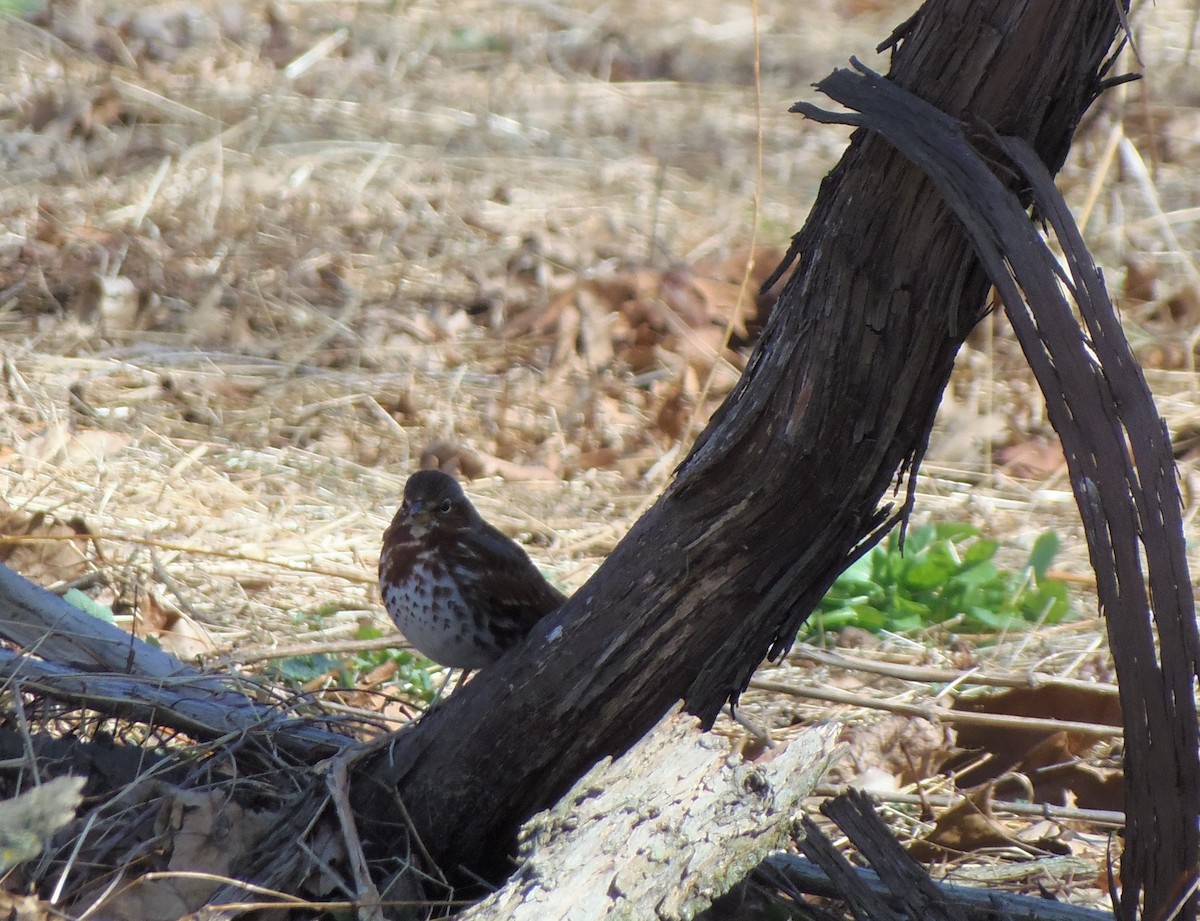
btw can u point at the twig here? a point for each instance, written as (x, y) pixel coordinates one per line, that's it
(366, 894)
(976, 903)
(199, 706)
(1104, 817)
(350, 574)
(930, 675)
(334, 647)
(321, 49)
(173, 587)
(937, 714)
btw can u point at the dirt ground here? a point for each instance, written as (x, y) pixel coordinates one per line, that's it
(257, 260)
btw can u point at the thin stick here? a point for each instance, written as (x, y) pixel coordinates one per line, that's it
(977, 903)
(937, 714)
(934, 675)
(1105, 817)
(367, 896)
(333, 647)
(347, 573)
(744, 293)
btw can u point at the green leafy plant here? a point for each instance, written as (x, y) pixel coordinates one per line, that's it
(415, 675)
(19, 8)
(946, 572)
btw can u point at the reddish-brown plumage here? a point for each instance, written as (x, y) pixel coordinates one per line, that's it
(459, 590)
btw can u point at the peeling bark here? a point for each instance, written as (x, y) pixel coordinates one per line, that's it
(788, 484)
(660, 832)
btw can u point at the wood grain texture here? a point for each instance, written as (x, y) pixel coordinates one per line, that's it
(661, 831)
(793, 478)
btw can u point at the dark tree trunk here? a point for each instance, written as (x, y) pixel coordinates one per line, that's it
(791, 479)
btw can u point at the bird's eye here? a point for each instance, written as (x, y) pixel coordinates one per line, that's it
(446, 505)
(404, 506)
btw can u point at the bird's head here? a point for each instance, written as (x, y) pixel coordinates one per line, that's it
(434, 501)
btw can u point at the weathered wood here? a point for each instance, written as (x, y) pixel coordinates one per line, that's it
(1119, 456)
(854, 813)
(788, 483)
(42, 624)
(984, 904)
(1124, 478)
(83, 660)
(660, 832)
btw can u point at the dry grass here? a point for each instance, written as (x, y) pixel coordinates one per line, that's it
(329, 214)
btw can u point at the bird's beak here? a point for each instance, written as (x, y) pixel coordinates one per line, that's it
(417, 512)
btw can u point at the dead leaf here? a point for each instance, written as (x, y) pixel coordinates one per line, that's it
(379, 674)
(280, 46)
(646, 317)
(472, 464)
(969, 826)
(907, 748)
(175, 630)
(199, 832)
(596, 459)
(328, 845)
(1034, 458)
(1141, 281)
(208, 832)
(42, 548)
(595, 331)
(1183, 307)
(674, 412)
(1053, 763)
(61, 444)
(76, 111)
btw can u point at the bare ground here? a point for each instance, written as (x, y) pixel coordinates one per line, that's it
(257, 259)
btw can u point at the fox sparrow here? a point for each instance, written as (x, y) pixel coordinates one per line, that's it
(458, 589)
